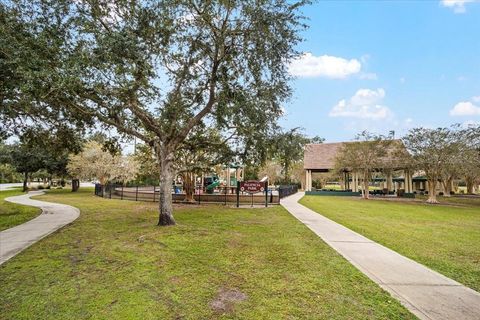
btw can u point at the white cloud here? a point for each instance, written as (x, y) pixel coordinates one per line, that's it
(458, 6)
(310, 66)
(364, 105)
(465, 108)
(402, 80)
(476, 99)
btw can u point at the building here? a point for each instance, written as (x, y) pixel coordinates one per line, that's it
(321, 158)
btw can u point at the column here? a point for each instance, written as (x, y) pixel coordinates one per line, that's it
(410, 178)
(228, 176)
(354, 182)
(306, 180)
(309, 180)
(408, 181)
(389, 181)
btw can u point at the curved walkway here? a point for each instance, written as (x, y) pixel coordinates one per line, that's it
(53, 217)
(426, 293)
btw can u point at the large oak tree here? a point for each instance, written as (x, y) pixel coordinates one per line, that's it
(154, 70)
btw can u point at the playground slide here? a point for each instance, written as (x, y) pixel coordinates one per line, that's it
(213, 185)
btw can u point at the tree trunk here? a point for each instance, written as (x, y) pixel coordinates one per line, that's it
(189, 186)
(366, 188)
(25, 181)
(447, 187)
(432, 191)
(469, 182)
(166, 178)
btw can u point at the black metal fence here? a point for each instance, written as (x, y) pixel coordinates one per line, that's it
(285, 191)
(220, 195)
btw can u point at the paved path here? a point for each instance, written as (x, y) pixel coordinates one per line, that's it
(8, 186)
(426, 293)
(53, 217)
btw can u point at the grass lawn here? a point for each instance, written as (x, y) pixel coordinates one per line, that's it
(217, 263)
(14, 214)
(461, 201)
(445, 238)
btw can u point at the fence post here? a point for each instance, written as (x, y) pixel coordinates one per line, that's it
(110, 189)
(136, 194)
(226, 189)
(238, 194)
(154, 187)
(121, 197)
(266, 193)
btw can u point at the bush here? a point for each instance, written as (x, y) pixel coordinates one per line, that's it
(48, 187)
(59, 187)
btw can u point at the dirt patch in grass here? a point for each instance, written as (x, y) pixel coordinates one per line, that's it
(226, 300)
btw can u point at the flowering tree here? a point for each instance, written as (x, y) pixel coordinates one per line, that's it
(95, 163)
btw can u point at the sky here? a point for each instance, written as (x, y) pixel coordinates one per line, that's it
(386, 65)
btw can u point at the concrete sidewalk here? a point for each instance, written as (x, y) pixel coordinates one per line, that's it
(426, 293)
(53, 217)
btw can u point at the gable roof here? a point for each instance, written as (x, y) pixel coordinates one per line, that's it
(321, 156)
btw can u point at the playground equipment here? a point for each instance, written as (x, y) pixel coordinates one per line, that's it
(211, 187)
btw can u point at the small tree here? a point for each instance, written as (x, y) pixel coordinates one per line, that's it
(288, 150)
(201, 151)
(127, 168)
(95, 162)
(365, 155)
(26, 160)
(431, 150)
(148, 171)
(469, 168)
(272, 170)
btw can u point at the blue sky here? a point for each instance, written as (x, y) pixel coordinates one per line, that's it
(381, 66)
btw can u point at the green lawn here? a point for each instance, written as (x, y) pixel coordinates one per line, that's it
(217, 263)
(461, 201)
(445, 238)
(14, 214)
